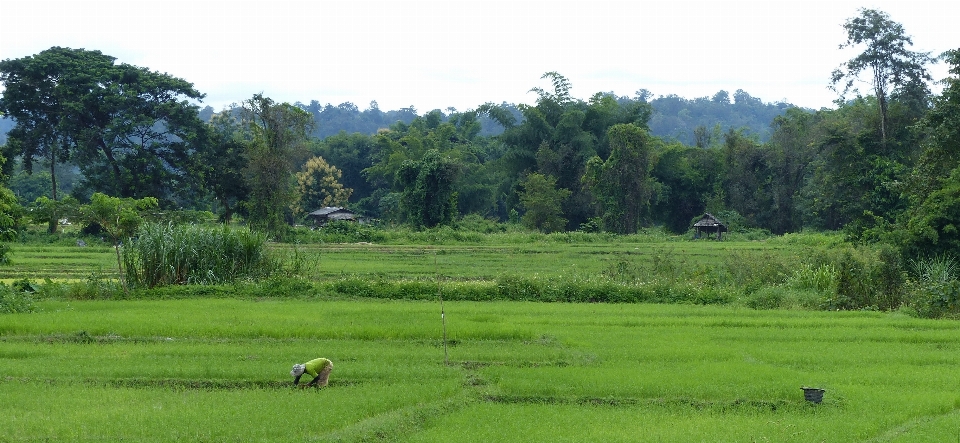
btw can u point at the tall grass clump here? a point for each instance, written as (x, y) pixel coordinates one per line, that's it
(936, 269)
(822, 278)
(935, 290)
(168, 254)
(866, 279)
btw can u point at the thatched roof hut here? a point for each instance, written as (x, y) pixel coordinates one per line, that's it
(709, 224)
(331, 213)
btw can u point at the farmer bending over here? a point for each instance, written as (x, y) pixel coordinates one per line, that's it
(319, 368)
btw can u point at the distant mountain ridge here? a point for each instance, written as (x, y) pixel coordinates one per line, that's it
(678, 118)
(674, 117)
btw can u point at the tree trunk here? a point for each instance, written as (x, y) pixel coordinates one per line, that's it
(123, 280)
(54, 222)
(108, 153)
(879, 88)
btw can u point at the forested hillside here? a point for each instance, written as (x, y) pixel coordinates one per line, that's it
(702, 121)
(698, 121)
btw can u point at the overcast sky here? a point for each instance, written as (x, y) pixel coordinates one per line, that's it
(440, 54)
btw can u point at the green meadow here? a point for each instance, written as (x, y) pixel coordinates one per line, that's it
(217, 370)
(195, 364)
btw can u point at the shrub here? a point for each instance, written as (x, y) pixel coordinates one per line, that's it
(851, 284)
(935, 289)
(51, 290)
(512, 287)
(4, 254)
(14, 300)
(477, 223)
(818, 239)
(399, 289)
(284, 287)
(341, 231)
(785, 297)
(519, 288)
(765, 298)
(866, 279)
(936, 299)
(751, 270)
(96, 287)
(937, 269)
(888, 278)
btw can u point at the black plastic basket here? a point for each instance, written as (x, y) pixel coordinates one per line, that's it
(812, 395)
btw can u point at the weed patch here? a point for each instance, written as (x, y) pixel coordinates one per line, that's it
(14, 300)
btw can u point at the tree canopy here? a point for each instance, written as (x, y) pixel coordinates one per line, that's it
(891, 68)
(132, 132)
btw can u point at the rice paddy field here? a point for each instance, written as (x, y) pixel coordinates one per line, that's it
(198, 369)
(217, 370)
(63, 262)
(485, 259)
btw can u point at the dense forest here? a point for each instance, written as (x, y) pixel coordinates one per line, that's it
(881, 166)
(674, 118)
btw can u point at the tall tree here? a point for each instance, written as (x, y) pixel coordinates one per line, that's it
(39, 92)
(622, 185)
(559, 135)
(791, 152)
(224, 162)
(279, 131)
(685, 177)
(318, 185)
(10, 211)
(428, 195)
(541, 200)
(941, 151)
(131, 131)
(139, 136)
(351, 154)
(929, 225)
(746, 177)
(845, 179)
(892, 68)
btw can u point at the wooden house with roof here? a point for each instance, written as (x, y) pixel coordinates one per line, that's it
(710, 225)
(331, 213)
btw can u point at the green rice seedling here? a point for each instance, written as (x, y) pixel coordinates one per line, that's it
(58, 262)
(217, 369)
(80, 412)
